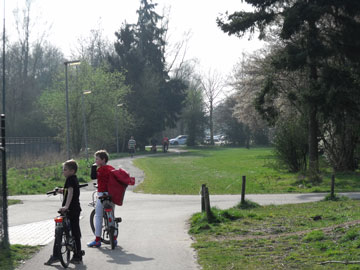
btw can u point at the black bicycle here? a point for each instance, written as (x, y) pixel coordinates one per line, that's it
(110, 227)
(64, 242)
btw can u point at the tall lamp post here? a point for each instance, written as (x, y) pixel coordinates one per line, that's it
(68, 63)
(117, 127)
(84, 120)
(5, 223)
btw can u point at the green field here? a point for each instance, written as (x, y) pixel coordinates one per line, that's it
(300, 236)
(221, 169)
(41, 179)
(38, 177)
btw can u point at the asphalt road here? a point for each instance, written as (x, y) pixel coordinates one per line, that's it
(152, 236)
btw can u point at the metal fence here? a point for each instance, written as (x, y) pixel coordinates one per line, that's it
(17, 147)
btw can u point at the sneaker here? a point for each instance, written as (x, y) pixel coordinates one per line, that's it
(76, 260)
(52, 260)
(94, 244)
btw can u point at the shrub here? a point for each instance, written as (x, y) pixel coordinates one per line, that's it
(290, 143)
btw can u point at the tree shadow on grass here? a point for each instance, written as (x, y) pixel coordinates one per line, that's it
(345, 181)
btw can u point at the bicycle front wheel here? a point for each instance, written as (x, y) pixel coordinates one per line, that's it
(61, 248)
(92, 221)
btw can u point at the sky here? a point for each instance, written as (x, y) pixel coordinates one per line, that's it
(67, 20)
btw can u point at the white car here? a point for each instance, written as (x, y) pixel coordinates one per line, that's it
(181, 139)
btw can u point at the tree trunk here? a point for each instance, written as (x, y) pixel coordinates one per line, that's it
(211, 123)
(313, 142)
(312, 101)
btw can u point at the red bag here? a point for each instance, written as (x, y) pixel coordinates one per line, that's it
(118, 182)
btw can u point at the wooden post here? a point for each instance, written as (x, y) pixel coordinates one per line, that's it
(243, 189)
(332, 194)
(207, 205)
(203, 186)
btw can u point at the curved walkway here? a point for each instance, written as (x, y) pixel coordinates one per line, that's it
(153, 234)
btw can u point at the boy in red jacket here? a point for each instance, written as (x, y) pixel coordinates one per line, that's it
(102, 175)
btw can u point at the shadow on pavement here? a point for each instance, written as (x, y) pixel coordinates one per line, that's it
(81, 266)
(120, 256)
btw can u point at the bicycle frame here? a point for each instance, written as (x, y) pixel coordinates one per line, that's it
(64, 223)
(110, 223)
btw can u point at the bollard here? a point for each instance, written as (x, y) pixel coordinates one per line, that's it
(243, 189)
(332, 194)
(207, 205)
(203, 186)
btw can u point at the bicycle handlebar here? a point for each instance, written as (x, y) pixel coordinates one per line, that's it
(56, 190)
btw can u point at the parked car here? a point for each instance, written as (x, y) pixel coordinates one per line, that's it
(181, 139)
(216, 139)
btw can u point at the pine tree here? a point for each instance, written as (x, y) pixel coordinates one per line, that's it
(314, 33)
(154, 100)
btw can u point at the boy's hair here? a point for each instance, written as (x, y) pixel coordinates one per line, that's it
(71, 165)
(102, 154)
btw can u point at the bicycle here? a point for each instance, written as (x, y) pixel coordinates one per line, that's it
(110, 227)
(64, 243)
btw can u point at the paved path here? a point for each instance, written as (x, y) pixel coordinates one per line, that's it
(153, 234)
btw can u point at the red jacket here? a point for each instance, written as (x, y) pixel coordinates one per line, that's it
(103, 176)
(118, 182)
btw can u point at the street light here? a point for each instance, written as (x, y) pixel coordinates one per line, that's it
(117, 127)
(68, 63)
(84, 120)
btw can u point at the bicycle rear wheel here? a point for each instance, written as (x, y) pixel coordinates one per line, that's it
(111, 237)
(105, 231)
(61, 248)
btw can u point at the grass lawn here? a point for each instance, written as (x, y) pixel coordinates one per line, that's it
(10, 259)
(39, 177)
(280, 237)
(221, 169)
(42, 178)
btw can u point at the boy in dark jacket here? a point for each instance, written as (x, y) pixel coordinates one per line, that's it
(71, 203)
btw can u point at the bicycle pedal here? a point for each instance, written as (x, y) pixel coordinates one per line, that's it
(118, 219)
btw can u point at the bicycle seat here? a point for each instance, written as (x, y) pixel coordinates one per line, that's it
(105, 197)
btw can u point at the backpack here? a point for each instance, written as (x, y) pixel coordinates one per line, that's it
(118, 182)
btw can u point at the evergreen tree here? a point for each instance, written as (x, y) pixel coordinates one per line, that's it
(236, 132)
(154, 100)
(314, 33)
